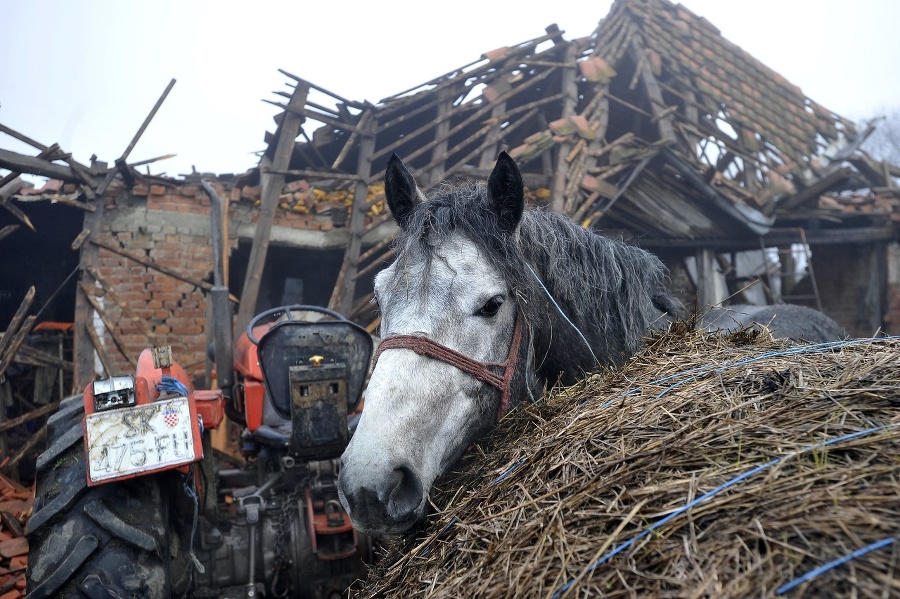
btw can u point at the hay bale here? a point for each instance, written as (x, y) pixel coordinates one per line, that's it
(709, 466)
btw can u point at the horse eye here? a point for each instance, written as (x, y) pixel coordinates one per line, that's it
(492, 306)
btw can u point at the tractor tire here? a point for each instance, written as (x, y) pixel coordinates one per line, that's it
(107, 541)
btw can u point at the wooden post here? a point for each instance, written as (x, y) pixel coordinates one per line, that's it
(345, 287)
(570, 99)
(707, 294)
(272, 184)
(654, 93)
(440, 132)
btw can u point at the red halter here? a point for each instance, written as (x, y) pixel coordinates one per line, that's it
(480, 370)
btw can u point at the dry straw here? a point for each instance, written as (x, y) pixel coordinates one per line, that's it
(709, 466)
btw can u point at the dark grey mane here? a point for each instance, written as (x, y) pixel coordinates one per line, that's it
(612, 292)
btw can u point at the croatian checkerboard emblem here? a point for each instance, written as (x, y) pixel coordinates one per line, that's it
(170, 415)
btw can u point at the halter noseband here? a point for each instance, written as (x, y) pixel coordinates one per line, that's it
(480, 370)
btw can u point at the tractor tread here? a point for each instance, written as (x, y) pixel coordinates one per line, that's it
(108, 541)
(97, 511)
(74, 560)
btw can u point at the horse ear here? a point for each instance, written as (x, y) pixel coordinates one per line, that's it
(400, 190)
(506, 192)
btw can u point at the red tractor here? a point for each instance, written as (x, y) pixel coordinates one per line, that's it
(130, 502)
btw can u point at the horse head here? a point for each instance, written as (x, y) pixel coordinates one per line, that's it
(451, 353)
(485, 303)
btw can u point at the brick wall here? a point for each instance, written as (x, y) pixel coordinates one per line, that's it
(892, 311)
(171, 228)
(170, 225)
(848, 278)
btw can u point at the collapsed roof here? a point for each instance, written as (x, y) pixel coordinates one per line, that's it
(654, 122)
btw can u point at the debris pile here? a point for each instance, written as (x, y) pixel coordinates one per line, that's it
(709, 466)
(15, 506)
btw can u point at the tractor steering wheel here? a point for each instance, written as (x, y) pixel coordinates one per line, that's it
(274, 314)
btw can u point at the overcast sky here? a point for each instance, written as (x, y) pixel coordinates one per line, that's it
(85, 74)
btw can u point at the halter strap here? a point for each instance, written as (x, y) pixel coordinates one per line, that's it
(479, 370)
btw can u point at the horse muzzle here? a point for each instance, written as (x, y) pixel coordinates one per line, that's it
(387, 503)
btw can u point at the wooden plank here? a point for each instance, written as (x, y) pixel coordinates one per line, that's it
(385, 256)
(16, 342)
(305, 113)
(16, 322)
(97, 345)
(149, 263)
(311, 173)
(570, 100)
(36, 144)
(816, 189)
(110, 329)
(21, 163)
(37, 413)
(351, 141)
(529, 109)
(30, 444)
(8, 230)
(272, 183)
(43, 154)
(6, 192)
(345, 287)
(481, 113)
(439, 152)
(41, 358)
(657, 104)
(308, 86)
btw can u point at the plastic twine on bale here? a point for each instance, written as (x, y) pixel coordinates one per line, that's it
(833, 564)
(621, 547)
(698, 372)
(803, 349)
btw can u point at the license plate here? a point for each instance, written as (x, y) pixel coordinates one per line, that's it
(130, 441)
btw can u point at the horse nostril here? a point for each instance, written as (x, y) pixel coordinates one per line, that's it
(406, 493)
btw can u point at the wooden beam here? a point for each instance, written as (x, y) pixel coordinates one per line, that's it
(21, 163)
(351, 141)
(312, 174)
(439, 152)
(88, 293)
(149, 263)
(16, 322)
(272, 183)
(8, 230)
(16, 342)
(98, 347)
(345, 287)
(570, 100)
(657, 104)
(41, 411)
(32, 442)
(6, 192)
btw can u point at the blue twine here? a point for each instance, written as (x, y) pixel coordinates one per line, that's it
(427, 549)
(803, 349)
(711, 493)
(170, 384)
(507, 472)
(833, 564)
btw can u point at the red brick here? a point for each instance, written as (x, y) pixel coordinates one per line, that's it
(157, 190)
